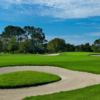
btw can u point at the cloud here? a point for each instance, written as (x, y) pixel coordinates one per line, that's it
(55, 8)
(94, 34)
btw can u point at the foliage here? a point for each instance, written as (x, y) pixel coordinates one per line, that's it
(11, 31)
(96, 46)
(26, 78)
(70, 47)
(38, 43)
(12, 45)
(1, 45)
(25, 45)
(56, 45)
(83, 47)
(5, 46)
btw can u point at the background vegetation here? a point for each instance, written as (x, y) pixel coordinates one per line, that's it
(32, 40)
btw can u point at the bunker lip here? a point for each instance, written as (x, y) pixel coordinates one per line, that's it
(71, 80)
(94, 55)
(56, 54)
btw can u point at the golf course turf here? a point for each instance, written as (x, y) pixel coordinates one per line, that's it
(26, 79)
(80, 61)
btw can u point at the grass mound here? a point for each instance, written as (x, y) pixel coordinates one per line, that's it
(26, 79)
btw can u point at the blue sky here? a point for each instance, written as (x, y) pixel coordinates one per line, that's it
(76, 21)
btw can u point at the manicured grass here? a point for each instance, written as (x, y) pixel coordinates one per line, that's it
(26, 78)
(80, 61)
(88, 93)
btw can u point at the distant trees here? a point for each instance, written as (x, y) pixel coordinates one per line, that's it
(70, 47)
(12, 45)
(1, 45)
(29, 39)
(96, 46)
(25, 45)
(11, 31)
(56, 45)
(32, 40)
(83, 47)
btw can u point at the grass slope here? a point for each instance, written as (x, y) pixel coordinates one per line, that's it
(26, 78)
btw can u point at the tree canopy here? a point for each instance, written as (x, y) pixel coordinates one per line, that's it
(56, 45)
(12, 45)
(32, 40)
(96, 45)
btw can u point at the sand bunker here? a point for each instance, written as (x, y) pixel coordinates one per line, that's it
(94, 55)
(50, 54)
(70, 80)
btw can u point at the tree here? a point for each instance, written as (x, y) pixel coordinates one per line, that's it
(83, 47)
(87, 47)
(70, 47)
(25, 45)
(77, 48)
(11, 31)
(96, 46)
(1, 45)
(5, 46)
(12, 45)
(56, 45)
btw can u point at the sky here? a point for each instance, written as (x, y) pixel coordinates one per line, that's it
(75, 21)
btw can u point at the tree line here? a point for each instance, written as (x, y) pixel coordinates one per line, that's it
(32, 40)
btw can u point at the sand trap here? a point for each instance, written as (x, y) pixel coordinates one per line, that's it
(94, 55)
(70, 80)
(50, 54)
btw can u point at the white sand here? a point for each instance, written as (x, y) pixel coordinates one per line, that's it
(94, 55)
(70, 80)
(51, 54)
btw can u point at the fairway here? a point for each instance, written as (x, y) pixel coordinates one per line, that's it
(79, 61)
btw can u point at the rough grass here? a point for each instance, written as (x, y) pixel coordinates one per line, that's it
(26, 79)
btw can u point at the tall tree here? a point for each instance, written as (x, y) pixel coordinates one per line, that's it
(1, 45)
(38, 36)
(27, 31)
(5, 46)
(70, 47)
(25, 45)
(96, 46)
(12, 45)
(56, 45)
(11, 31)
(87, 47)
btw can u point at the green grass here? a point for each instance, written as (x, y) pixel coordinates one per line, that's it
(80, 61)
(88, 93)
(26, 78)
